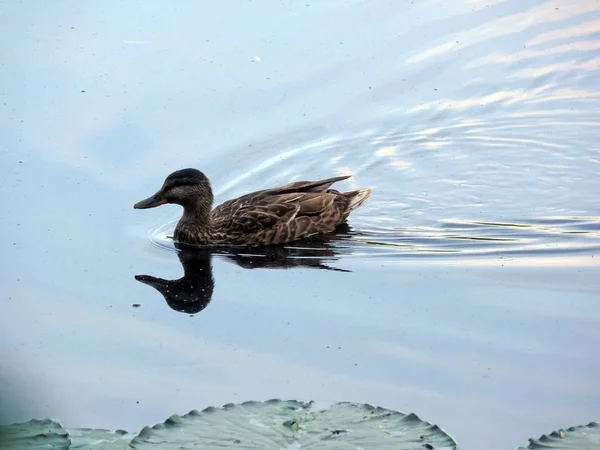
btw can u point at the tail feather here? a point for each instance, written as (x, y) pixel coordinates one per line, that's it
(356, 198)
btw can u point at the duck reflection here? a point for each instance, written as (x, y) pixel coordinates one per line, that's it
(191, 293)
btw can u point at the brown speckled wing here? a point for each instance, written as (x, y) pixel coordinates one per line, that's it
(283, 214)
(318, 214)
(312, 204)
(254, 218)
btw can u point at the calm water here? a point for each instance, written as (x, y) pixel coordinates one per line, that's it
(466, 290)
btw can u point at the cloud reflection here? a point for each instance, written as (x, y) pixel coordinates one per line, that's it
(509, 58)
(574, 31)
(568, 66)
(546, 13)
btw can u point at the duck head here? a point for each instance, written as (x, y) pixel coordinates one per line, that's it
(189, 188)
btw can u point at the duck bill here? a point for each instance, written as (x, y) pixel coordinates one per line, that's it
(151, 202)
(149, 280)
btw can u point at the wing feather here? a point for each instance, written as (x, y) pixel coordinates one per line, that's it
(253, 218)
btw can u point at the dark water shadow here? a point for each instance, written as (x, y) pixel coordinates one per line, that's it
(192, 293)
(317, 252)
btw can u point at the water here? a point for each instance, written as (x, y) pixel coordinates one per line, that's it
(465, 290)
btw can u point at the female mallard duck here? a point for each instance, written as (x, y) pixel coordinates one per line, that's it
(271, 216)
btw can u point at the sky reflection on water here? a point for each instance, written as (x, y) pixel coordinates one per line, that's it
(467, 285)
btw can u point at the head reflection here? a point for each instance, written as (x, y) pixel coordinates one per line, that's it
(191, 293)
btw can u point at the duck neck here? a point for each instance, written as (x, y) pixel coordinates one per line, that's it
(194, 227)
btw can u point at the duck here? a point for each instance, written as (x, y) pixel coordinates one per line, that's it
(273, 216)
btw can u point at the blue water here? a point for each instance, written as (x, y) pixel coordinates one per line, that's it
(465, 290)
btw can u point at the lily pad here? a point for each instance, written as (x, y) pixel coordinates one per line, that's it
(47, 434)
(582, 437)
(294, 425)
(35, 434)
(98, 439)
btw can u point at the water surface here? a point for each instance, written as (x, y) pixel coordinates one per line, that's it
(465, 290)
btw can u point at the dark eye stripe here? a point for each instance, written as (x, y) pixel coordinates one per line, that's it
(181, 182)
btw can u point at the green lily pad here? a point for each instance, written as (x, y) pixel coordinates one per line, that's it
(46, 434)
(35, 434)
(294, 425)
(98, 439)
(582, 437)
